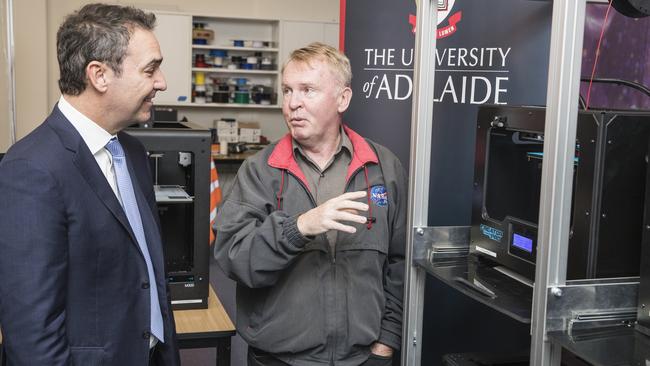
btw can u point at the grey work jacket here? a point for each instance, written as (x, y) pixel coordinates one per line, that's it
(295, 298)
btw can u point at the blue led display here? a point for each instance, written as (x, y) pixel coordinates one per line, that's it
(522, 242)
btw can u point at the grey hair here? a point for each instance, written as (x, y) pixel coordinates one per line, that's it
(96, 32)
(319, 51)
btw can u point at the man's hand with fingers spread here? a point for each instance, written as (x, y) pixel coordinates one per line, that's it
(333, 213)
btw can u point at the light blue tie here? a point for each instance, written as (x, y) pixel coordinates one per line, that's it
(130, 205)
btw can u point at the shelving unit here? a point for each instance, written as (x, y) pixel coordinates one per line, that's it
(174, 32)
(239, 64)
(235, 40)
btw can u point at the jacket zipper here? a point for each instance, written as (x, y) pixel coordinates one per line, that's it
(334, 332)
(332, 252)
(345, 189)
(335, 335)
(313, 202)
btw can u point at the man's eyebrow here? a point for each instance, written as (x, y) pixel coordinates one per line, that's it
(307, 84)
(301, 85)
(154, 62)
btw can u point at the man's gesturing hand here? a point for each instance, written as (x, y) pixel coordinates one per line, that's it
(332, 213)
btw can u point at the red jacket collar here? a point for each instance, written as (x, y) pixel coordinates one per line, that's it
(282, 155)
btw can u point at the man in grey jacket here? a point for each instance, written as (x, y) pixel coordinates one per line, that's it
(313, 231)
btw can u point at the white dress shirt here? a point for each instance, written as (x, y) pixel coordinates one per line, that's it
(95, 138)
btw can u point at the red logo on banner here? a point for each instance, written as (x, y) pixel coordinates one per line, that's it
(413, 22)
(445, 31)
(444, 12)
(450, 29)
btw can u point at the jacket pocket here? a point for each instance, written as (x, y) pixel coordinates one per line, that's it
(87, 356)
(364, 295)
(377, 237)
(292, 318)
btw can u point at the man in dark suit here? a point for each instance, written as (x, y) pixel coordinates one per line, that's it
(81, 260)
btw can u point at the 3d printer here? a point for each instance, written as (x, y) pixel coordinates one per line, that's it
(608, 190)
(180, 165)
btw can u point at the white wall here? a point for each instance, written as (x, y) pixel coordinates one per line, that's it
(31, 62)
(30, 52)
(36, 23)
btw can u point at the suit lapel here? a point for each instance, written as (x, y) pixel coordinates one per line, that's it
(88, 168)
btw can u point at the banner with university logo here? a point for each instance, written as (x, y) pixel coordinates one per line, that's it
(493, 52)
(488, 52)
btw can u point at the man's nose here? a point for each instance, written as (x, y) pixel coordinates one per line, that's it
(295, 101)
(161, 82)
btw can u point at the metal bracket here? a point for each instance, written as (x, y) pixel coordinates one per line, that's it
(440, 242)
(589, 304)
(600, 319)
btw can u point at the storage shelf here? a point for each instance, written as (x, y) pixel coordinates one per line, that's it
(175, 34)
(171, 194)
(236, 71)
(484, 283)
(221, 105)
(233, 48)
(614, 346)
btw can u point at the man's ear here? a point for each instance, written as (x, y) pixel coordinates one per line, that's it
(344, 99)
(97, 76)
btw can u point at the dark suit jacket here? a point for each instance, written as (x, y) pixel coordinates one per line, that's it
(73, 281)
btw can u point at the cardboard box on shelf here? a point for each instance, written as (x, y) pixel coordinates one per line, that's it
(227, 123)
(253, 139)
(228, 131)
(250, 129)
(249, 125)
(250, 132)
(228, 138)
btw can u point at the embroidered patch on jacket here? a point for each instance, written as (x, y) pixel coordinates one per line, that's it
(379, 196)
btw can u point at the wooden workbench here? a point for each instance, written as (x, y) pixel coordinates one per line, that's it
(205, 328)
